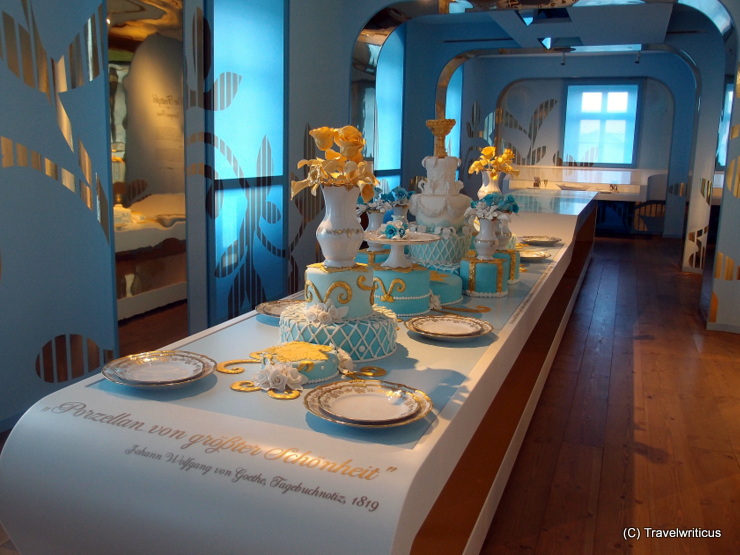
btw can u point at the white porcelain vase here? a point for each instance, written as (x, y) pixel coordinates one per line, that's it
(486, 240)
(340, 233)
(374, 221)
(503, 233)
(490, 184)
(402, 212)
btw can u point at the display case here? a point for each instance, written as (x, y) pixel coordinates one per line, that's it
(150, 254)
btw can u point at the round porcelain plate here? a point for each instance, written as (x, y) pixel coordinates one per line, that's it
(541, 240)
(368, 403)
(530, 256)
(275, 308)
(365, 402)
(448, 326)
(412, 237)
(156, 368)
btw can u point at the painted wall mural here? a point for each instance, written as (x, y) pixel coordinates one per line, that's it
(55, 230)
(528, 137)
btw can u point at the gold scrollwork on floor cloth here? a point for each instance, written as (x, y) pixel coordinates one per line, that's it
(235, 366)
(246, 386)
(343, 298)
(284, 395)
(367, 372)
(396, 285)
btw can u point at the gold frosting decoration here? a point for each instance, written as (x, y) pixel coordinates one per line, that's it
(234, 366)
(367, 371)
(405, 270)
(370, 288)
(343, 298)
(397, 284)
(284, 395)
(371, 255)
(499, 276)
(359, 267)
(512, 265)
(246, 386)
(296, 351)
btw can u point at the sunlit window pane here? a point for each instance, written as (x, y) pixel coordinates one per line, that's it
(617, 102)
(591, 102)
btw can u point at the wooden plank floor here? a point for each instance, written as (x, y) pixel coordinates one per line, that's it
(638, 424)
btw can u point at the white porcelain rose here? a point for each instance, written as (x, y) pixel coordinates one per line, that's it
(279, 376)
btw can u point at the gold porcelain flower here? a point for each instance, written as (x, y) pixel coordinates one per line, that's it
(350, 143)
(323, 136)
(346, 168)
(489, 162)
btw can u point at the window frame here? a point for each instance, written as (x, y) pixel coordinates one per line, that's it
(604, 84)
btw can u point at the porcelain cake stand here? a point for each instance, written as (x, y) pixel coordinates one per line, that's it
(397, 258)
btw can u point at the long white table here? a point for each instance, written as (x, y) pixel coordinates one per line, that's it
(102, 468)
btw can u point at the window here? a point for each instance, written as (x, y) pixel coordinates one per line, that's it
(600, 124)
(724, 127)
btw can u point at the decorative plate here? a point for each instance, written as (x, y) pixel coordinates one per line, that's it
(448, 326)
(533, 256)
(368, 403)
(275, 308)
(541, 240)
(158, 368)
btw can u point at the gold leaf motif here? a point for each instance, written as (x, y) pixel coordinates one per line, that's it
(284, 395)
(356, 268)
(370, 288)
(396, 285)
(246, 386)
(343, 298)
(234, 366)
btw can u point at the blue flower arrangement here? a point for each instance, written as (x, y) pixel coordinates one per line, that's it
(376, 204)
(395, 229)
(492, 206)
(397, 196)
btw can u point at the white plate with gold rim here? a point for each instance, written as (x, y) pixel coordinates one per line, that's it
(368, 403)
(539, 240)
(448, 326)
(159, 368)
(533, 256)
(275, 308)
